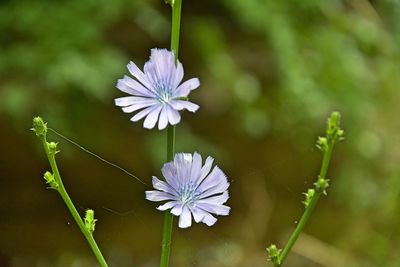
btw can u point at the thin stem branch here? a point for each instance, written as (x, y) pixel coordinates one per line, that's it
(333, 134)
(309, 209)
(168, 217)
(68, 202)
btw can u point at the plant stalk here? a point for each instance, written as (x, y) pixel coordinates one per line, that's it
(310, 207)
(68, 202)
(168, 217)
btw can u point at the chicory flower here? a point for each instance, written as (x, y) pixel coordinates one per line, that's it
(190, 189)
(157, 92)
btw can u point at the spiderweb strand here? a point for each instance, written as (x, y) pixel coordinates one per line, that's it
(97, 156)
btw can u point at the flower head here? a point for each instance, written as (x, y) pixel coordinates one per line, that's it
(191, 189)
(157, 92)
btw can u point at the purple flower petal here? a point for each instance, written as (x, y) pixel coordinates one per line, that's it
(163, 186)
(182, 162)
(163, 120)
(198, 214)
(178, 75)
(185, 219)
(218, 199)
(215, 182)
(205, 170)
(152, 118)
(177, 209)
(167, 205)
(137, 106)
(138, 74)
(141, 114)
(169, 172)
(196, 167)
(132, 87)
(203, 216)
(181, 104)
(130, 100)
(158, 196)
(214, 208)
(173, 116)
(184, 89)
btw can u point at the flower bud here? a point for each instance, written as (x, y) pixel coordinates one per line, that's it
(321, 185)
(90, 221)
(309, 195)
(322, 143)
(39, 126)
(52, 148)
(49, 178)
(334, 132)
(273, 254)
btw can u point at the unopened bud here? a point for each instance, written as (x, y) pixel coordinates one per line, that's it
(52, 148)
(309, 195)
(49, 178)
(39, 126)
(321, 185)
(334, 132)
(274, 254)
(322, 143)
(90, 221)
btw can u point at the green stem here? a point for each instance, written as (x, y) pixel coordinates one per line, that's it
(176, 26)
(310, 207)
(64, 195)
(168, 217)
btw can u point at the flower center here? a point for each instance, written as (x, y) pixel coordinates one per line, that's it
(163, 92)
(188, 193)
(164, 97)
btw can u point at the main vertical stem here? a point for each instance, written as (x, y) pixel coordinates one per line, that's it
(168, 217)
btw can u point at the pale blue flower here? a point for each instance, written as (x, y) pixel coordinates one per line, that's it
(191, 189)
(157, 92)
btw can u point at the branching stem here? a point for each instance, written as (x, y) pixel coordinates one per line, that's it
(50, 153)
(309, 209)
(333, 134)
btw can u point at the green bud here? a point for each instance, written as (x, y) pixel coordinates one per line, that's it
(90, 221)
(309, 195)
(39, 126)
(321, 185)
(322, 143)
(274, 254)
(52, 148)
(334, 132)
(49, 178)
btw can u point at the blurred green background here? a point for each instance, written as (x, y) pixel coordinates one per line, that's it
(271, 72)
